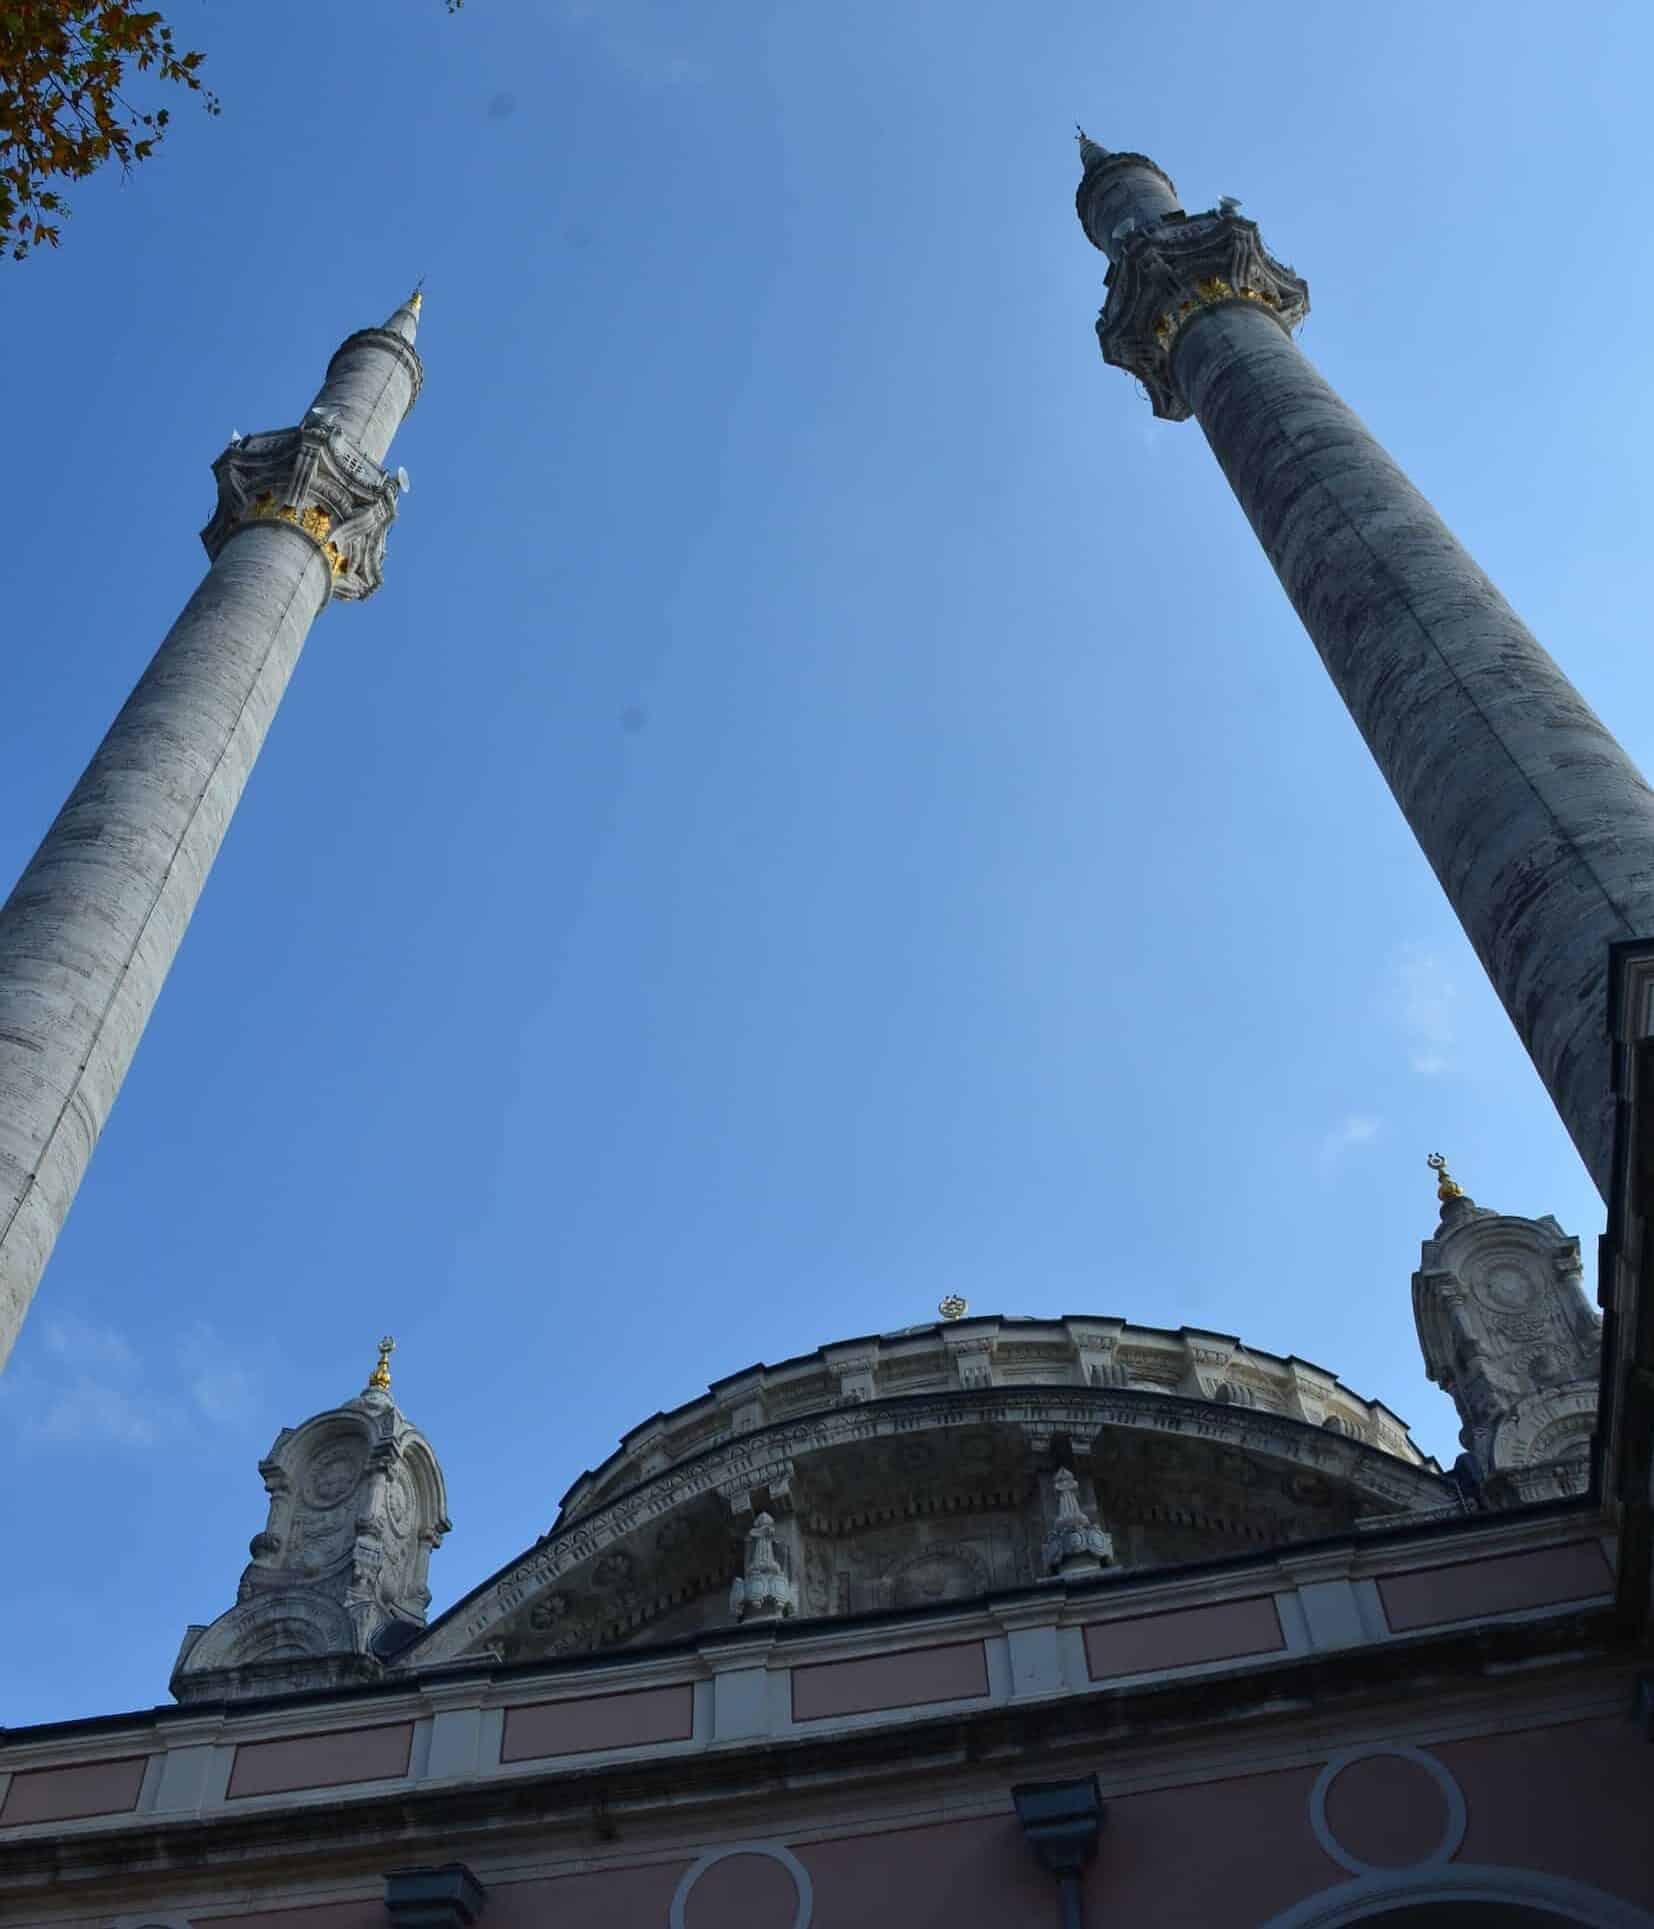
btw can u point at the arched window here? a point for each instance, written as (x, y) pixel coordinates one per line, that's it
(1462, 1895)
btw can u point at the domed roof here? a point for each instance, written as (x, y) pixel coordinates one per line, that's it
(937, 1463)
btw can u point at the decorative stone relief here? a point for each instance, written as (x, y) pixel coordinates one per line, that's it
(357, 1505)
(315, 479)
(1089, 1351)
(1506, 1330)
(973, 1360)
(1167, 273)
(1076, 1545)
(763, 1592)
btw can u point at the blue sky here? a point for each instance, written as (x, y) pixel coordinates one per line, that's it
(830, 807)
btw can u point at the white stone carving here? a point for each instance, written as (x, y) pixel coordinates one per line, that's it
(1075, 1546)
(771, 1851)
(763, 1593)
(340, 498)
(1452, 1797)
(1084, 1350)
(1506, 1329)
(1168, 273)
(912, 1442)
(357, 1504)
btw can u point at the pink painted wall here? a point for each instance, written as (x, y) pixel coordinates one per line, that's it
(1577, 1800)
(952, 1672)
(612, 1899)
(64, 1794)
(321, 1761)
(1500, 1585)
(1180, 1639)
(949, 1875)
(541, 1728)
(1224, 1856)
(367, 1913)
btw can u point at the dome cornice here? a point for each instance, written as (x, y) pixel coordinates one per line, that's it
(993, 1351)
(603, 1576)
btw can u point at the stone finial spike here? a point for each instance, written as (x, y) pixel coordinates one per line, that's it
(1090, 152)
(405, 320)
(379, 1380)
(1447, 1187)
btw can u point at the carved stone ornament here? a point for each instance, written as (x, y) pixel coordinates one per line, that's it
(1075, 1545)
(911, 1499)
(763, 1592)
(357, 1503)
(1169, 273)
(1505, 1328)
(313, 478)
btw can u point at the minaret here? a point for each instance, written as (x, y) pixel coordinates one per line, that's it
(90, 930)
(1538, 826)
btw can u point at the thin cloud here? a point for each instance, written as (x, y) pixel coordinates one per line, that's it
(218, 1382)
(96, 1350)
(88, 1386)
(1355, 1129)
(91, 1412)
(631, 39)
(1424, 998)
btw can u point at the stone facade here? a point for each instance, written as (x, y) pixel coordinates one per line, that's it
(886, 1633)
(1433, 1717)
(915, 1469)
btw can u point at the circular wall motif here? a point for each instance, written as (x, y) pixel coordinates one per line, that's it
(333, 1473)
(1505, 1287)
(938, 1574)
(613, 1569)
(399, 1500)
(1452, 1796)
(774, 1851)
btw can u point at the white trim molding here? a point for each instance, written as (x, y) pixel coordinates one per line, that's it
(1452, 1795)
(773, 1852)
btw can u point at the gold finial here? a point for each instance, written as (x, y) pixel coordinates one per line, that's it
(379, 1380)
(416, 300)
(953, 1307)
(1447, 1187)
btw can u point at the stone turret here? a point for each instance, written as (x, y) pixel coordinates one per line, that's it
(337, 1582)
(1507, 1331)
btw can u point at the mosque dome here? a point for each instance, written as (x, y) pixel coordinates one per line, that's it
(940, 1463)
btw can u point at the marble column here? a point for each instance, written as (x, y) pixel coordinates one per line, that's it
(1538, 826)
(92, 926)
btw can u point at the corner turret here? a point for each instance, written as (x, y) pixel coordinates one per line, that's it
(337, 1582)
(1506, 1330)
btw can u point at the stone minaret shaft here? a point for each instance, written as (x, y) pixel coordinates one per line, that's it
(1538, 826)
(87, 936)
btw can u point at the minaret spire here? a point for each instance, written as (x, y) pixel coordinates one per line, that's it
(1091, 155)
(91, 929)
(1536, 823)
